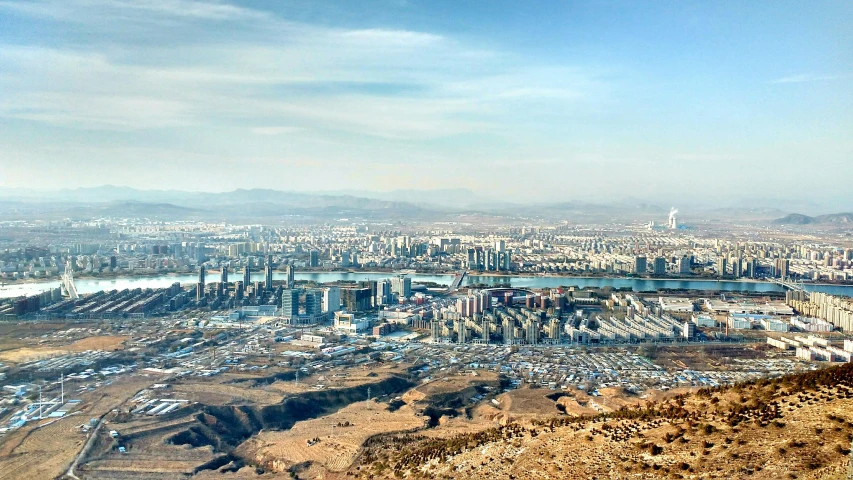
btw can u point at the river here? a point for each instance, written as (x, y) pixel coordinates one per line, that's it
(91, 285)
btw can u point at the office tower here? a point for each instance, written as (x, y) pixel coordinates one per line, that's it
(290, 303)
(383, 292)
(402, 286)
(640, 265)
(373, 286)
(345, 259)
(314, 302)
(314, 258)
(660, 266)
(684, 265)
(721, 266)
(500, 246)
(356, 299)
(268, 283)
(238, 290)
(113, 262)
(291, 277)
(199, 288)
(509, 330)
(223, 281)
(331, 299)
(507, 260)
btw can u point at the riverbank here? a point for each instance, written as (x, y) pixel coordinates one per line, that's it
(90, 285)
(510, 275)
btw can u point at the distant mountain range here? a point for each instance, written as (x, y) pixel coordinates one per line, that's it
(799, 219)
(112, 201)
(439, 204)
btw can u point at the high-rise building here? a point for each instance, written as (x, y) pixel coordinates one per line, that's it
(356, 299)
(461, 331)
(290, 303)
(684, 265)
(500, 246)
(222, 289)
(383, 292)
(247, 276)
(508, 329)
(332, 299)
(435, 329)
(752, 267)
(721, 266)
(199, 288)
(401, 285)
(486, 327)
(291, 277)
(660, 266)
(268, 283)
(640, 267)
(531, 332)
(314, 258)
(554, 329)
(737, 267)
(783, 268)
(314, 302)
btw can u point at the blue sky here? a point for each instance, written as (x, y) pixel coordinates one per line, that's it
(682, 101)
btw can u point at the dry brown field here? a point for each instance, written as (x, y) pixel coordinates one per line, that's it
(29, 353)
(46, 452)
(808, 437)
(338, 444)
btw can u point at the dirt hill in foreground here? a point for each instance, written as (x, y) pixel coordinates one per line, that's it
(799, 426)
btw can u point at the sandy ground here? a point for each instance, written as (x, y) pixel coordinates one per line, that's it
(32, 353)
(338, 445)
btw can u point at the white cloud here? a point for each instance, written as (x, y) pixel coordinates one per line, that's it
(810, 77)
(279, 130)
(385, 83)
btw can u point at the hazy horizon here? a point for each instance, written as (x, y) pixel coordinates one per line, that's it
(711, 103)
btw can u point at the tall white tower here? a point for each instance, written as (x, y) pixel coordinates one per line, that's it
(673, 222)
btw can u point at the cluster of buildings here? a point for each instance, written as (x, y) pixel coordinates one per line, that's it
(130, 246)
(834, 309)
(812, 348)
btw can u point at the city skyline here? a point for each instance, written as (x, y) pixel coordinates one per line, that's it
(569, 101)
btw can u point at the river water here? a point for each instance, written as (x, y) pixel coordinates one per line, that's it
(91, 285)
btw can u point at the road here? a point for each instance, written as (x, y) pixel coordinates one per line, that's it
(89, 442)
